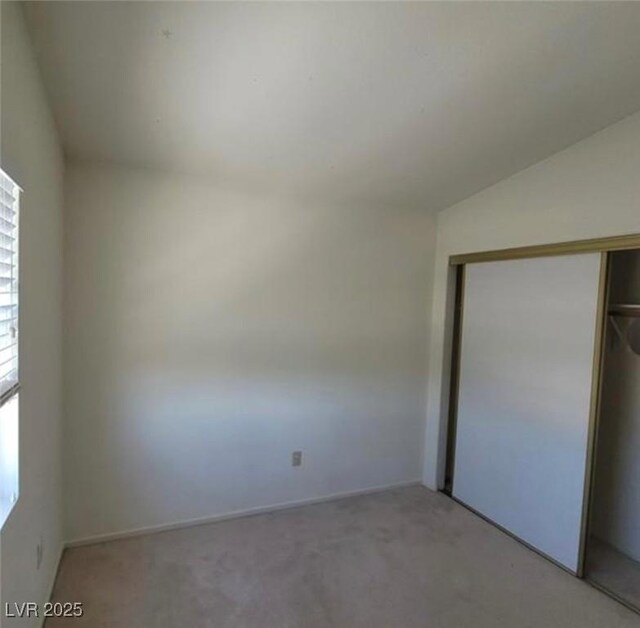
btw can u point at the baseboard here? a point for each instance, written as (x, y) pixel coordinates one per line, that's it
(113, 536)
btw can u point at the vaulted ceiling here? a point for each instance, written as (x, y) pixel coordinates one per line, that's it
(418, 104)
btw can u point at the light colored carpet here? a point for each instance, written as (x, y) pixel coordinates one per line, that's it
(614, 571)
(400, 559)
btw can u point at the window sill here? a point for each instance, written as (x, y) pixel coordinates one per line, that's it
(6, 507)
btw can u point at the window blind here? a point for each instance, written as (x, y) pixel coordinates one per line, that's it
(9, 214)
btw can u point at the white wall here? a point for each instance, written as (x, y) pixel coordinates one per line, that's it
(210, 334)
(31, 155)
(591, 189)
(616, 503)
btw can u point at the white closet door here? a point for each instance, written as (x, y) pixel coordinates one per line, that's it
(527, 347)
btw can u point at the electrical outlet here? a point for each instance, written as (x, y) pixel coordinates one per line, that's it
(39, 552)
(296, 459)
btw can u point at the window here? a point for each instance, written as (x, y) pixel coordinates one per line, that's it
(9, 206)
(9, 198)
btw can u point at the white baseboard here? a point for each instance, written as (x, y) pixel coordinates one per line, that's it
(112, 536)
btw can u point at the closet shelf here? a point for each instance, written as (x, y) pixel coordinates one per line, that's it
(625, 309)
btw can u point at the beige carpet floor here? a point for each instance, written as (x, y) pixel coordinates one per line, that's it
(400, 559)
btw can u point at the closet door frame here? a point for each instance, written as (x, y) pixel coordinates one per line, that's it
(601, 245)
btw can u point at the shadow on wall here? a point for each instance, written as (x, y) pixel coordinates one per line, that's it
(211, 335)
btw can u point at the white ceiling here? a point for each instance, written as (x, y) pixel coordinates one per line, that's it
(418, 104)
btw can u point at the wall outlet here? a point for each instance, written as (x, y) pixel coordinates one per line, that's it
(39, 552)
(296, 459)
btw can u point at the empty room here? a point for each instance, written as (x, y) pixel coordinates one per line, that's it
(319, 314)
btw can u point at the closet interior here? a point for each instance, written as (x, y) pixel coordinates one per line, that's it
(613, 545)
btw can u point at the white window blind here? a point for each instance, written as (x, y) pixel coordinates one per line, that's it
(9, 206)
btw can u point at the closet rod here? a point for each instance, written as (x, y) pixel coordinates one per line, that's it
(625, 310)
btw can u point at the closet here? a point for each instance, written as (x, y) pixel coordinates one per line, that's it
(613, 548)
(544, 409)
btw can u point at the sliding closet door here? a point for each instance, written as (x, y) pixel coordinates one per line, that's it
(526, 361)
